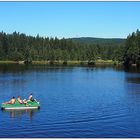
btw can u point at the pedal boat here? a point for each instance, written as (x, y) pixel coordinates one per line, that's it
(18, 106)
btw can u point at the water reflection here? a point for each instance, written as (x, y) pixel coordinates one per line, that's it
(127, 70)
(20, 113)
(135, 80)
(16, 68)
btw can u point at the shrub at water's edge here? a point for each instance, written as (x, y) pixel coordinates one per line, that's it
(131, 56)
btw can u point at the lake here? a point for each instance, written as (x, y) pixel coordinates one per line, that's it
(76, 102)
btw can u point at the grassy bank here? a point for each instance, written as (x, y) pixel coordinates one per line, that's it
(74, 62)
(108, 62)
(60, 62)
(8, 62)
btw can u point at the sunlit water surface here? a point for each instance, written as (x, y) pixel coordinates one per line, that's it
(75, 102)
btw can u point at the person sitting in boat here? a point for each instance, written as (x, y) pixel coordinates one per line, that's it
(31, 98)
(12, 101)
(21, 101)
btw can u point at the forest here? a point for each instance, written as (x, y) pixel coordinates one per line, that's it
(21, 47)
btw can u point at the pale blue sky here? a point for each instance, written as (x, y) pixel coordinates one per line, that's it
(71, 19)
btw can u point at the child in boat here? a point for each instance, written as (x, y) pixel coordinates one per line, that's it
(31, 97)
(12, 101)
(21, 101)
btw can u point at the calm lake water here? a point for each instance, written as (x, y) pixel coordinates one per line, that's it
(75, 102)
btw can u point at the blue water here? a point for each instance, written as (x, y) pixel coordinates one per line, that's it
(87, 102)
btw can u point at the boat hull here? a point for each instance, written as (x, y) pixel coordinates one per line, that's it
(19, 108)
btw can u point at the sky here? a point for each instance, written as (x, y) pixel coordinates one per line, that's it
(71, 19)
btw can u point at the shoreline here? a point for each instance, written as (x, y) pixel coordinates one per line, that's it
(69, 62)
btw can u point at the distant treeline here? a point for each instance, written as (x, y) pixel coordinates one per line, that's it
(102, 41)
(18, 46)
